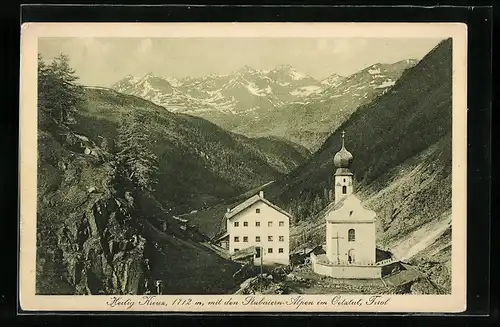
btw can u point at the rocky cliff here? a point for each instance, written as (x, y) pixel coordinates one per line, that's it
(87, 241)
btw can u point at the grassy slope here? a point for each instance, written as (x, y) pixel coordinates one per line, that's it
(414, 115)
(200, 163)
(401, 144)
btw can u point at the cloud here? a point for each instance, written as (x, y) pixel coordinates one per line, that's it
(345, 47)
(92, 47)
(144, 47)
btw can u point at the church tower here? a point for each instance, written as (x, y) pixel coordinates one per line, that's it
(343, 178)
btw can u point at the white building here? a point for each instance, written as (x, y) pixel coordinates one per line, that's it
(350, 230)
(258, 223)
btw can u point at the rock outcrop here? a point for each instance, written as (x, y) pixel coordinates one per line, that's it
(87, 241)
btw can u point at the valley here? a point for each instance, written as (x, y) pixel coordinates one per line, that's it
(135, 157)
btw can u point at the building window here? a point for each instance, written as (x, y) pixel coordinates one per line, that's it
(280, 250)
(344, 180)
(269, 224)
(236, 250)
(257, 224)
(269, 238)
(257, 238)
(282, 239)
(270, 250)
(245, 224)
(344, 189)
(245, 238)
(282, 223)
(257, 210)
(236, 239)
(236, 224)
(351, 235)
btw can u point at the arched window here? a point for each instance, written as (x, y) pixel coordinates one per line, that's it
(344, 189)
(351, 235)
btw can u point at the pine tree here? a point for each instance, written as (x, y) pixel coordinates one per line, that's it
(136, 162)
(58, 92)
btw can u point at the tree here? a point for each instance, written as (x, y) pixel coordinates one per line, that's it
(58, 92)
(136, 162)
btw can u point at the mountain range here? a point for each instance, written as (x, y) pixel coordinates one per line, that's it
(93, 238)
(280, 102)
(246, 91)
(401, 143)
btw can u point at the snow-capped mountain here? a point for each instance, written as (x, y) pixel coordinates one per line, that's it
(310, 119)
(332, 80)
(245, 91)
(279, 102)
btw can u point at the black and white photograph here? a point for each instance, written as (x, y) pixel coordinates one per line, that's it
(256, 166)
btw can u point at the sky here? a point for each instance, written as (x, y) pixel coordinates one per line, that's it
(104, 61)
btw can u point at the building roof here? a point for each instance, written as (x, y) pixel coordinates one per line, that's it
(220, 238)
(250, 201)
(244, 253)
(349, 209)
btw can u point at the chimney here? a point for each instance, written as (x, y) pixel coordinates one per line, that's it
(228, 209)
(261, 194)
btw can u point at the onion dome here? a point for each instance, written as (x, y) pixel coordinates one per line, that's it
(343, 158)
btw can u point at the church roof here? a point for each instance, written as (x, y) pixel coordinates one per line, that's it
(343, 158)
(349, 209)
(250, 201)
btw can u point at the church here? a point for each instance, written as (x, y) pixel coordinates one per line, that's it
(350, 230)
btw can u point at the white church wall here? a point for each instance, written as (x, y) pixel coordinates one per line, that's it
(279, 234)
(348, 272)
(340, 182)
(363, 246)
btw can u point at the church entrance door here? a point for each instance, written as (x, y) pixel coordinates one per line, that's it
(351, 256)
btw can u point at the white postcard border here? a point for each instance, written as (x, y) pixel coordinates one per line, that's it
(456, 302)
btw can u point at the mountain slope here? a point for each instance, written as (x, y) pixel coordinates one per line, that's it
(199, 162)
(401, 143)
(310, 120)
(93, 237)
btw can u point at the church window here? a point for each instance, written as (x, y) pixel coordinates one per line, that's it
(269, 238)
(257, 224)
(351, 235)
(344, 189)
(257, 238)
(282, 223)
(257, 210)
(269, 224)
(282, 239)
(236, 239)
(280, 250)
(344, 180)
(236, 250)
(245, 238)
(270, 250)
(236, 224)
(245, 224)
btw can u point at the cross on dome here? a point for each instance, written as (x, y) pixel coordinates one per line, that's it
(343, 158)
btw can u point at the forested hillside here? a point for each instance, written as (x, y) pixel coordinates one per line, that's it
(199, 163)
(111, 171)
(401, 143)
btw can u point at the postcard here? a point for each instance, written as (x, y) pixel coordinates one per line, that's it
(243, 167)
